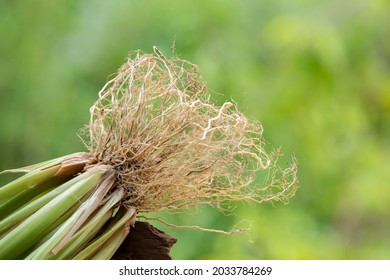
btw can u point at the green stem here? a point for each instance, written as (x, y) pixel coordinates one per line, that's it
(30, 208)
(68, 165)
(56, 242)
(27, 181)
(50, 231)
(18, 201)
(87, 232)
(111, 246)
(25, 235)
(96, 245)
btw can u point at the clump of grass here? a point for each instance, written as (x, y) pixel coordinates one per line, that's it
(156, 142)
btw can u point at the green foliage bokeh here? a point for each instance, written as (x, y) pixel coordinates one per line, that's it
(315, 73)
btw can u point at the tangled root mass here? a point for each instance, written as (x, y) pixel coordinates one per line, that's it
(172, 147)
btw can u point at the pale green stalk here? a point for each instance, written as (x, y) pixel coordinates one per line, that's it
(65, 232)
(90, 205)
(87, 232)
(30, 208)
(97, 244)
(37, 174)
(25, 235)
(18, 201)
(51, 230)
(27, 181)
(81, 239)
(111, 246)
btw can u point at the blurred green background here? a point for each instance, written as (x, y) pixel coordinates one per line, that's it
(315, 73)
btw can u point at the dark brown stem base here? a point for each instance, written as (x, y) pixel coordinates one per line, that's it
(145, 242)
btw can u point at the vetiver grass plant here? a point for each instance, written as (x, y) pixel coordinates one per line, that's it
(155, 142)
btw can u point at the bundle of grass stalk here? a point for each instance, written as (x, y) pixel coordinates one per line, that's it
(156, 142)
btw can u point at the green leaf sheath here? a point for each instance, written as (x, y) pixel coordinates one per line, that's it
(61, 236)
(108, 250)
(80, 240)
(28, 181)
(23, 198)
(66, 166)
(34, 205)
(123, 218)
(30, 231)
